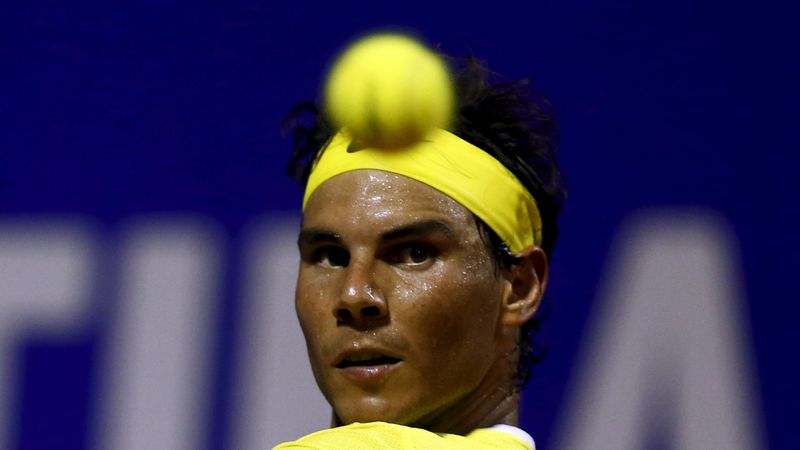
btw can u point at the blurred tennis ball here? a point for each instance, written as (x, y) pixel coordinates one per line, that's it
(389, 90)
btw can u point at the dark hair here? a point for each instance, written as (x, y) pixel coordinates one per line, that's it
(505, 118)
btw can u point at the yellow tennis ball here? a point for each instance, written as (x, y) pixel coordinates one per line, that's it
(389, 90)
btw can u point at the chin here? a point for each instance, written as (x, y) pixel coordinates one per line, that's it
(370, 409)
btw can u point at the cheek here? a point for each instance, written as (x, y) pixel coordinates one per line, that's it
(312, 304)
(453, 313)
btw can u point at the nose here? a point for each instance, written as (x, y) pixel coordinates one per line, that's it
(361, 303)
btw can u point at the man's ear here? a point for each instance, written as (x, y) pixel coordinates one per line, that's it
(527, 282)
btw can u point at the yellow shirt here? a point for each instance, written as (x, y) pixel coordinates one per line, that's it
(381, 435)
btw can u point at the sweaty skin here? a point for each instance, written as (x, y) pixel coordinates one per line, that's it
(407, 319)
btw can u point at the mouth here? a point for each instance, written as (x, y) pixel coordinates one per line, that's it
(367, 368)
(365, 359)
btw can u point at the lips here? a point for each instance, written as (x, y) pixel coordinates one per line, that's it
(364, 358)
(367, 368)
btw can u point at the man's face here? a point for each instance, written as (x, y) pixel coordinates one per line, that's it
(398, 299)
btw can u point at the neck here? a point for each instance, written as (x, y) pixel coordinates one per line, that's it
(495, 401)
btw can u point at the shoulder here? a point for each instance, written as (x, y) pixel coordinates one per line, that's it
(381, 435)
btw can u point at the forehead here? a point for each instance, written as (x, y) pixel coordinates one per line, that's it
(380, 198)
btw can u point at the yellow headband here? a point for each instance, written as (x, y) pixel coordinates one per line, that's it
(454, 167)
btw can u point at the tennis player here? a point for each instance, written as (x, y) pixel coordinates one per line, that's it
(422, 269)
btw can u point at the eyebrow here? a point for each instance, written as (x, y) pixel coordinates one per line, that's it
(417, 229)
(320, 235)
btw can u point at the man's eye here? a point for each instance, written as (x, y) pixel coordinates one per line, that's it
(332, 257)
(415, 254)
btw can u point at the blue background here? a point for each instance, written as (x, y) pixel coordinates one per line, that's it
(111, 110)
